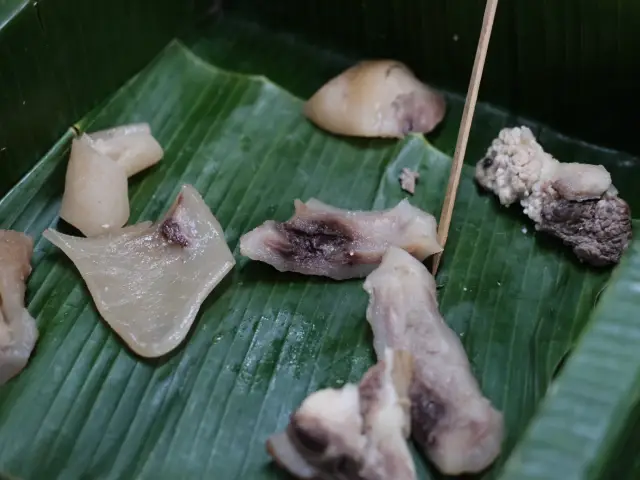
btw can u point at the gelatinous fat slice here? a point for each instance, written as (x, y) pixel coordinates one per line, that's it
(96, 192)
(328, 241)
(357, 432)
(131, 146)
(149, 281)
(376, 98)
(457, 427)
(18, 332)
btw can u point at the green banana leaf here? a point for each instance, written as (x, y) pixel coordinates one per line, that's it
(225, 102)
(587, 427)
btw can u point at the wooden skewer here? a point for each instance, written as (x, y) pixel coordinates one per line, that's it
(465, 127)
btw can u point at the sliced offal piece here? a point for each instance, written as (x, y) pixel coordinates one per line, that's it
(96, 192)
(148, 281)
(574, 202)
(357, 432)
(18, 331)
(131, 146)
(328, 241)
(457, 427)
(376, 98)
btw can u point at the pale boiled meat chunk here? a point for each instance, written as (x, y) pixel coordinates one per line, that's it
(18, 331)
(96, 192)
(324, 240)
(356, 432)
(148, 281)
(457, 427)
(376, 98)
(131, 146)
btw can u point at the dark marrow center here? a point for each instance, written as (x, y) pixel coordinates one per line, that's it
(427, 411)
(313, 443)
(173, 232)
(324, 240)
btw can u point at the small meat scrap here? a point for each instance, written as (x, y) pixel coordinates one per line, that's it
(357, 432)
(408, 180)
(572, 201)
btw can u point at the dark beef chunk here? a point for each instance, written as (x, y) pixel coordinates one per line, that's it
(598, 230)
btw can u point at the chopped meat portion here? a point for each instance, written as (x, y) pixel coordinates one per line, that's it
(456, 426)
(376, 98)
(18, 331)
(328, 241)
(573, 201)
(408, 180)
(353, 433)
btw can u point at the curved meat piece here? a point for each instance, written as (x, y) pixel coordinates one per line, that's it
(328, 241)
(96, 192)
(352, 433)
(408, 180)
(18, 331)
(457, 427)
(597, 230)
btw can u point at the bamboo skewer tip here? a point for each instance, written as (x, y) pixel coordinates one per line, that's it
(465, 127)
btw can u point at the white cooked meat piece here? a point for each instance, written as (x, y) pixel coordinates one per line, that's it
(324, 240)
(131, 146)
(456, 426)
(18, 331)
(376, 98)
(357, 432)
(575, 202)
